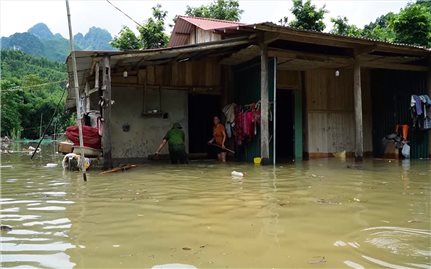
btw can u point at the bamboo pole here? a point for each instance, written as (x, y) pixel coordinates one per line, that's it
(106, 115)
(76, 86)
(357, 91)
(264, 133)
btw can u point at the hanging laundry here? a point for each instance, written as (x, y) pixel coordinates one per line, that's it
(229, 112)
(416, 103)
(239, 129)
(420, 108)
(248, 124)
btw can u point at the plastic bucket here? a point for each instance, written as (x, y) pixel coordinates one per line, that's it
(257, 160)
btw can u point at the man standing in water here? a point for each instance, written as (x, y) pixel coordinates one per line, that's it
(219, 137)
(175, 137)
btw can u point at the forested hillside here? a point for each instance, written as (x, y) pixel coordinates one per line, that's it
(41, 42)
(31, 87)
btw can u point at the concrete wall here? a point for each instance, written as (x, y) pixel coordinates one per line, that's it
(145, 134)
(330, 112)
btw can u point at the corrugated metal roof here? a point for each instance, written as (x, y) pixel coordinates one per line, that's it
(86, 59)
(184, 26)
(208, 23)
(344, 37)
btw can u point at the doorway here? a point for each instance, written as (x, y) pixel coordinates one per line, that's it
(202, 109)
(285, 133)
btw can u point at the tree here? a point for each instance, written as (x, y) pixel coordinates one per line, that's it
(341, 26)
(219, 9)
(308, 17)
(381, 28)
(151, 33)
(9, 107)
(126, 40)
(413, 25)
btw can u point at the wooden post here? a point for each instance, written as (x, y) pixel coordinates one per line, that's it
(87, 97)
(298, 124)
(264, 126)
(106, 107)
(429, 94)
(357, 93)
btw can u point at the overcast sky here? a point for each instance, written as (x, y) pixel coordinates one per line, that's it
(19, 15)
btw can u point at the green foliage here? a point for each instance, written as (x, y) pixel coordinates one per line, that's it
(307, 16)
(9, 107)
(381, 28)
(153, 31)
(219, 9)
(126, 40)
(151, 34)
(24, 99)
(413, 25)
(341, 26)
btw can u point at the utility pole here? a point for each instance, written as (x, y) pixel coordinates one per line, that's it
(76, 86)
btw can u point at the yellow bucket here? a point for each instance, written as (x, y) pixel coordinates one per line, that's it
(257, 160)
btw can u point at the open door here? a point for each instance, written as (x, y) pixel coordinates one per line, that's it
(202, 109)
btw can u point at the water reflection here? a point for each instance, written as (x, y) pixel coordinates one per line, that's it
(324, 213)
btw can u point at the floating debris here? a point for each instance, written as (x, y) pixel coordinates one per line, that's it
(328, 202)
(237, 174)
(186, 248)
(5, 228)
(174, 266)
(317, 260)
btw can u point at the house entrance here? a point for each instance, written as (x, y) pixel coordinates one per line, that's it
(202, 109)
(285, 126)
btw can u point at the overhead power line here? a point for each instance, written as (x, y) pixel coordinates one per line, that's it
(124, 13)
(20, 88)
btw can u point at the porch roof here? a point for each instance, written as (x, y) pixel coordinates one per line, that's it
(135, 59)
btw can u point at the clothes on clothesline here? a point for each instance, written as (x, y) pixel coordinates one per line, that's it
(420, 107)
(243, 121)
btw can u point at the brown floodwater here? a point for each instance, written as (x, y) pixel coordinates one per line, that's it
(314, 214)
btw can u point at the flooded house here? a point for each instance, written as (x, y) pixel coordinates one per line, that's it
(311, 94)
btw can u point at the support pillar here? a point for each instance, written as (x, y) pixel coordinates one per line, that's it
(429, 94)
(106, 114)
(357, 94)
(264, 126)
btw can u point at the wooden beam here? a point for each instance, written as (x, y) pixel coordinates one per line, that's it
(106, 114)
(429, 94)
(357, 94)
(319, 57)
(270, 37)
(364, 50)
(190, 49)
(264, 125)
(394, 66)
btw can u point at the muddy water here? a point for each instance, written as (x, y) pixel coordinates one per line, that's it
(316, 214)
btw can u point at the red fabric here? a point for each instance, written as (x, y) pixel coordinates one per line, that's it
(248, 124)
(90, 135)
(238, 130)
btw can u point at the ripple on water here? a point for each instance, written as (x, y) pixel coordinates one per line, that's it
(378, 242)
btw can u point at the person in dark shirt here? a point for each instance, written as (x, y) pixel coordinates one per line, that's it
(175, 138)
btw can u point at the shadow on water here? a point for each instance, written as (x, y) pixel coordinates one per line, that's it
(320, 213)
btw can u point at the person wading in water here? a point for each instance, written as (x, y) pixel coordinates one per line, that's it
(175, 137)
(219, 138)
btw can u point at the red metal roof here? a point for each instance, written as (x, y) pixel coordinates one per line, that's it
(209, 24)
(184, 26)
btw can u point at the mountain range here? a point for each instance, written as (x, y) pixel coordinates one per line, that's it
(40, 41)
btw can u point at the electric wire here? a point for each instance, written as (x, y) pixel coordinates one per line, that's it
(125, 14)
